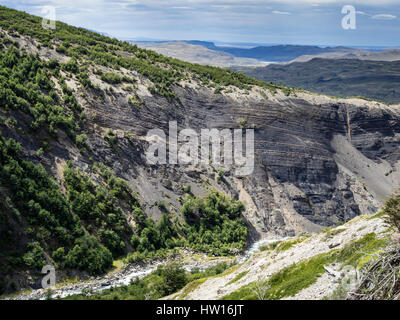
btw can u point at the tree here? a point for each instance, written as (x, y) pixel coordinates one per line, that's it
(392, 211)
(88, 254)
(34, 257)
(174, 278)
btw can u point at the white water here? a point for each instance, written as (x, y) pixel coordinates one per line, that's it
(118, 283)
(256, 247)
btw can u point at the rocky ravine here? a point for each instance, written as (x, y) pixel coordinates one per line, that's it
(253, 266)
(119, 277)
(318, 160)
(303, 178)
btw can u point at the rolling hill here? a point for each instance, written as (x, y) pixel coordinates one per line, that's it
(198, 54)
(377, 80)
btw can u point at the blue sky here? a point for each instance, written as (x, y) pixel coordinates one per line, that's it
(259, 21)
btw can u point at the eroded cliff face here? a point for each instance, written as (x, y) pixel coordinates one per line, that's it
(310, 169)
(319, 161)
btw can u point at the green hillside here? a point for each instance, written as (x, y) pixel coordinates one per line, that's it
(76, 219)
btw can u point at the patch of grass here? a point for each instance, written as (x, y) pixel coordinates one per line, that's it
(286, 245)
(269, 246)
(330, 233)
(191, 287)
(288, 281)
(196, 278)
(68, 281)
(355, 253)
(243, 123)
(379, 214)
(238, 277)
(118, 264)
(135, 101)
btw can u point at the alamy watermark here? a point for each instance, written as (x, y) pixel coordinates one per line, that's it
(49, 17)
(350, 278)
(49, 280)
(349, 21)
(188, 148)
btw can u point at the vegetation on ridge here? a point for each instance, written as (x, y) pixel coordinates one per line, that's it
(83, 44)
(60, 225)
(88, 217)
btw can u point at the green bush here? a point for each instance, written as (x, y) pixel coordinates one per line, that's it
(88, 254)
(174, 278)
(111, 138)
(34, 257)
(214, 223)
(111, 78)
(81, 141)
(71, 66)
(58, 255)
(392, 211)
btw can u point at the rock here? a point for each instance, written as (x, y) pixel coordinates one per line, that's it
(333, 245)
(332, 272)
(396, 238)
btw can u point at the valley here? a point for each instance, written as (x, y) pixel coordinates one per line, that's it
(77, 190)
(340, 77)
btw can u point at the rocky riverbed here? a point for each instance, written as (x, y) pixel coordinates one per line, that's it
(124, 275)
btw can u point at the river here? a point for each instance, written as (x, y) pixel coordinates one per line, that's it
(125, 276)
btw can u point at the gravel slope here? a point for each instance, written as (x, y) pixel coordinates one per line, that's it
(263, 264)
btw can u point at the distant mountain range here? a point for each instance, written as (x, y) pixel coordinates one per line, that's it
(336, 77)
(336, 71)
(387, 55)
(276, 53)
(194, 53)
(281, 53)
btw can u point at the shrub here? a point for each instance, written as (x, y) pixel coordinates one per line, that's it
(174, 278)
(392, 211)
(34, 258)
(88, 254)
(58, 254)
(111, 78)
(111, 138)
(71, 66)
(81, 141)
(214, 223)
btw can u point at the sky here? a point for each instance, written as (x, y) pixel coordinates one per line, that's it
(306, 22)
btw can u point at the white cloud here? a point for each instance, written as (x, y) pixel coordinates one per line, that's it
(374, 3)
(384, 17)
(214, 2)
(281, 12)
(221, 6)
